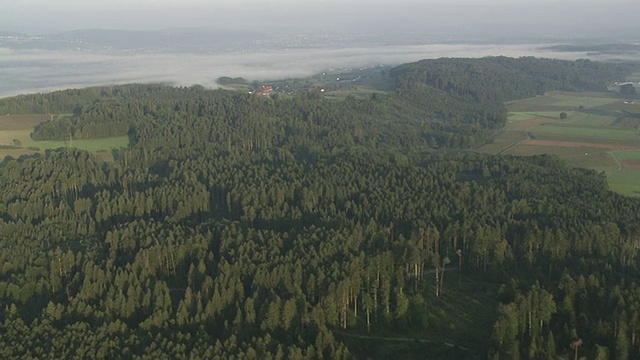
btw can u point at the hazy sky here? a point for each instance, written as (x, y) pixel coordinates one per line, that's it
(395, 31)
(539, 17)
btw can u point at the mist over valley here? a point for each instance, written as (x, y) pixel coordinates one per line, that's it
(75, 59)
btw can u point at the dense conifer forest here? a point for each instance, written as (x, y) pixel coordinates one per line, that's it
(242, 226)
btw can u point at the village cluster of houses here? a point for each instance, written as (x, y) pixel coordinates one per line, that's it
(617, 85)
(267, 90)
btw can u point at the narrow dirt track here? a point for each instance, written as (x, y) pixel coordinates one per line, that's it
(425, 341)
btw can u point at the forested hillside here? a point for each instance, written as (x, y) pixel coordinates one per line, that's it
(453, 103)
(502, 78)
(241, 226)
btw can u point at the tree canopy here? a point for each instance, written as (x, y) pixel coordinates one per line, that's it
(240, 226)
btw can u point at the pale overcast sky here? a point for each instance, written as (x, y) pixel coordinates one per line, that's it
(539, 17)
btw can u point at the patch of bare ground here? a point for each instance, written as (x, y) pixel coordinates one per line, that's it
(631, 164)
(21, 122)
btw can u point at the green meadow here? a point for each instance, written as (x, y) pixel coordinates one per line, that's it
(598, 134)
(579, 131)
(15, 139)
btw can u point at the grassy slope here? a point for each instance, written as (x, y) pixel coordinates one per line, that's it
(595, 123)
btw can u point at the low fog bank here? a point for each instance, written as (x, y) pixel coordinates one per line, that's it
(28, 71)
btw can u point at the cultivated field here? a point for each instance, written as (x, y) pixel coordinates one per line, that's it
(15, 139)
(600, 132)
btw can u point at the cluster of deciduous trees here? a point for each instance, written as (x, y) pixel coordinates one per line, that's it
(236, 226)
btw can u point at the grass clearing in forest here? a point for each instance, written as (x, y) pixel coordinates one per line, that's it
(598, 133)
(93, 145)
(465, 308)
(447, 326)
(15, 139)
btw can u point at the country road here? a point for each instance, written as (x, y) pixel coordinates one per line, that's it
(615, 159)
